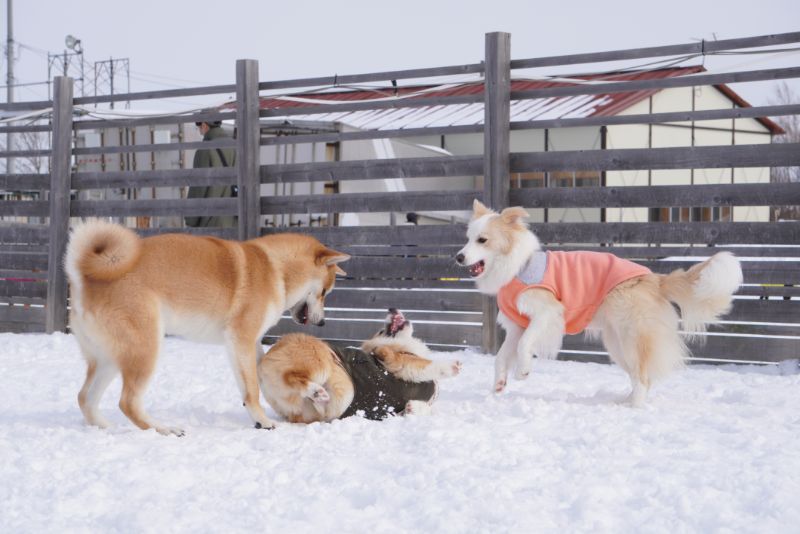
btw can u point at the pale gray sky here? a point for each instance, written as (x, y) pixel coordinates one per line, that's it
(173, 43)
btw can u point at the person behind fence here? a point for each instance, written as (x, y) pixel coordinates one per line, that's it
(217, 157)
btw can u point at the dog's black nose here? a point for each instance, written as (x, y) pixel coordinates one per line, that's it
(460, 258)
(321, 323)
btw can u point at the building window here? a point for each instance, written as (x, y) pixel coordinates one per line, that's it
(556, 179)
(675, 214)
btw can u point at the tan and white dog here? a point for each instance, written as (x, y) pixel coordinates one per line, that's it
(542, 296)
(306, 380)
(127, 292)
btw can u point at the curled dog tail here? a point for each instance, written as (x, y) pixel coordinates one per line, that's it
(101, 250)
(705, 291)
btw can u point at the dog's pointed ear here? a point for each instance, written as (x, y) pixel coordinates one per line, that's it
(339, 271)
(514, 215)
(478, 209)
(329, 256)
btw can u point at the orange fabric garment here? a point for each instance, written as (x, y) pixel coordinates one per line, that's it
(579, 280)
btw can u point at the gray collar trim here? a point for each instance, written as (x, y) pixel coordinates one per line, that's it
(533, 271)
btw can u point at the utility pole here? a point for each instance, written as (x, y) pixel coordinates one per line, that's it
(10, 166)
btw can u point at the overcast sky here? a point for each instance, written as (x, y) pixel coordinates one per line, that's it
(179, 43)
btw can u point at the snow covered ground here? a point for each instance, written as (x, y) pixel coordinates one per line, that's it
(716, 450)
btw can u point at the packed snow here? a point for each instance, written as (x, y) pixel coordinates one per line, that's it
(715, 450)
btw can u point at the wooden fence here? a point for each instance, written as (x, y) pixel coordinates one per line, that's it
(412, 267)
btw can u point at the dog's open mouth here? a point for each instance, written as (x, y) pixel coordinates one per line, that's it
(301, 315)
(476, 269)
(395, 322)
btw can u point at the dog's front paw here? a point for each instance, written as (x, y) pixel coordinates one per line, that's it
(450, 368)
(417, 408)
(521, 374)
(170, 431)
(500, 385)
(269, 425)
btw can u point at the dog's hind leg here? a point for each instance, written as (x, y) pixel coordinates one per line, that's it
(138, 340)
(99, 374)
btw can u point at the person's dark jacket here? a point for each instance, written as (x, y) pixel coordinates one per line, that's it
(223, 157)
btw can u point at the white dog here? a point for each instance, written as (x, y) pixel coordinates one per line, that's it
(543, 295)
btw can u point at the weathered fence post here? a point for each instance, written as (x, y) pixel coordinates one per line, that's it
(60, 182)
(496, 151)
(248, 147)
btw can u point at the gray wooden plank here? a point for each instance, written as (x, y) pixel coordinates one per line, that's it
(439, 166)
(25, 182)
(61, 166)
(360, 330)
(406, 201)
(24, 153)
(23, 274)
(151, 95)
(160, 178)
(415, 316)
(767, 349)
(222, 233)
(451, 284)
(496, 153)
(693, 49)
(13, 288)
(24, 128)
(663, 251)
(698, 195)
(766, 311)
(346, 79)
(24, 261)
(738, 233)
(705, 157)
(247, 142)
(371, 267)
(159, 147)
(404, 299)
(22, 314)
(741, 233)
(369, 235)
(155, 208)
(22, 328)
(24, 208)
(203, 116)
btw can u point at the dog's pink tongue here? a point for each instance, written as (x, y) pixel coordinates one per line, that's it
(397, 321)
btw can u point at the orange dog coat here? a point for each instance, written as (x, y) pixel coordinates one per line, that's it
(579, 280)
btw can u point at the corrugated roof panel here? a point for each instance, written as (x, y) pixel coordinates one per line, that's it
(468, 114)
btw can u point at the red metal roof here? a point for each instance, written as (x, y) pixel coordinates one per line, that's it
(570, 106)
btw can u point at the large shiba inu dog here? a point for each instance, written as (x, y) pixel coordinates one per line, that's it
(128, 292)
(543, 295)
(306, 380)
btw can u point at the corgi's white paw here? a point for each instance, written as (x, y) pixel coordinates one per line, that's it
(417, 408)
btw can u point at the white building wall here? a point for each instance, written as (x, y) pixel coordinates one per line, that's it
(706, 133)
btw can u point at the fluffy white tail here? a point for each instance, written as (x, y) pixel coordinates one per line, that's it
(101, 250)
(704, 292)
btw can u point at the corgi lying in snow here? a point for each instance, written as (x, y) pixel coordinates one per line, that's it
(306, 380)
(544, 295)
(127, 292)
